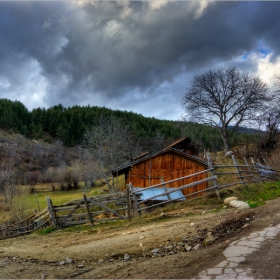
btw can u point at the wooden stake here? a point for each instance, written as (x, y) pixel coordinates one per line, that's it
(128, 202)
(237, 169)
(210, 163)
(165, 189)
(88, 210)
(135, 199)
(51, 212)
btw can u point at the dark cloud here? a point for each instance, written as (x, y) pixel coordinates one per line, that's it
(110, 52)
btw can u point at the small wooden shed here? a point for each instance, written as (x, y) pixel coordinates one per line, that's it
(168, 164)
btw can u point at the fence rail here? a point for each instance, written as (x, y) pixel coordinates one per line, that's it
(89, 210)
(34, 222)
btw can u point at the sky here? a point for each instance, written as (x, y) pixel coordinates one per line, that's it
(137, 56)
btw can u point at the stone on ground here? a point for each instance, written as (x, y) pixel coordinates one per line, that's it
(229, 199)
(239, 204)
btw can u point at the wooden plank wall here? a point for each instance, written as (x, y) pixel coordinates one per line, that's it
(166, 166)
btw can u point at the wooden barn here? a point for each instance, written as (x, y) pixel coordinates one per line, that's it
(170, 163)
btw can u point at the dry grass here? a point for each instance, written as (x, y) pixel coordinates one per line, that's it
(274, 159)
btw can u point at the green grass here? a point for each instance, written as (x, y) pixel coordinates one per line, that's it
(257, 194)
(46, 231)
(57, 197)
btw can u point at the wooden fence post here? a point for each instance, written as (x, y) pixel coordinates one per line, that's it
(210, 163)
(165, 188)
(266, 162)
(128, 202)
(8, 228)
(88, 210)
(263, 179)
(135, 199)
(51, 212)
(237, 169)
(248, 166)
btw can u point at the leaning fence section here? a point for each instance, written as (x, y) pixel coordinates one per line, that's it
(34, 222)
(91, 210)
(242, 173)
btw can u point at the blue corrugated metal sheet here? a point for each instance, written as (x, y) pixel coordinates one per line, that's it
(147, 193)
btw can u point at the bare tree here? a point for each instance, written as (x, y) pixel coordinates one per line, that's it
(225, 99)
(269, 120)
(110, 144)
(90, 170)
(7, 180)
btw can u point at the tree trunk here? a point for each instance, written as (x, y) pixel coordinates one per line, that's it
(224, 135)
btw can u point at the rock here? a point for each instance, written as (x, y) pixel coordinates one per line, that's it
(229, 199)
(142, 237)
(111, 260)
(181, 244)
(191, 224)
(43, 276)
(141, 245)
(197, 246)
(188, 248)
(68, 260)
(162, 215)
(62, 263)
(126, 257)
(101, 261)
(80, 266)
(155, 251)
(229, 153)
(239, 204)
(169, 248)
(208, 240)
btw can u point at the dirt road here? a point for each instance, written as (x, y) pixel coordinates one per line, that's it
(169, 248)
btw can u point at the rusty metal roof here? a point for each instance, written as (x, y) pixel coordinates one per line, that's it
(177, 142)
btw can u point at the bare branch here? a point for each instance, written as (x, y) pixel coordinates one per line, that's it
(110, 144)
(225, 98)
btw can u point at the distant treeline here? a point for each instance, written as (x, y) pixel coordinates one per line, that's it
(69, 124)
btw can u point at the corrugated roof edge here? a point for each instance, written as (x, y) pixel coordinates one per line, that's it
(124, 166)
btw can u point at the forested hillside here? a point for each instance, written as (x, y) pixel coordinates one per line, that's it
(69, 125)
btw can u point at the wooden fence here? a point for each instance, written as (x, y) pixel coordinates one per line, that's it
(123, 205)
(244, 174)
(89, 210)
(34, 222)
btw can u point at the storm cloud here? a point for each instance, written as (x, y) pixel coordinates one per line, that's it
(137, 56)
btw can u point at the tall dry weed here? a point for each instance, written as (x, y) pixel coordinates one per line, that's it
(274, 158)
